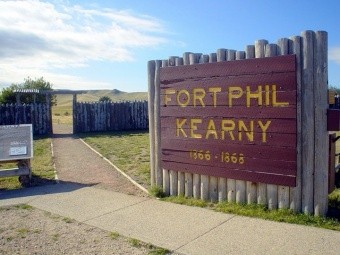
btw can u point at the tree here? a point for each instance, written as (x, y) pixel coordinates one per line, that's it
(8, 96)
(105, 99)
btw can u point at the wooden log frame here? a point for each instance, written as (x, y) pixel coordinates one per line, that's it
(310, 192)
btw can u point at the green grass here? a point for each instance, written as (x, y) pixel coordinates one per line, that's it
(258, 211)
(114, 235)
(127, 150)
(334, 199)
(41, 164)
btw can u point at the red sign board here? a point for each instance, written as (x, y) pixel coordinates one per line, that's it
(232, 119)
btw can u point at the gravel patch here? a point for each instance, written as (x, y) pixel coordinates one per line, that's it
(27, 230)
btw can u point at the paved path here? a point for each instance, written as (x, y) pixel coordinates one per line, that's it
(183, 229)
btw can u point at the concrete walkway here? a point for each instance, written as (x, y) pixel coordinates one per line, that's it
(183, 229)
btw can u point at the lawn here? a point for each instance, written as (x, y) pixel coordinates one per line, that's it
(129, 151)
(42, 166)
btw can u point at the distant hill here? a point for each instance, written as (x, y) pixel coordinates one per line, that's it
(94, 95)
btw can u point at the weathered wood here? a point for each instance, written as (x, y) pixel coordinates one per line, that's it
(196, 186)
(166, 182)
(321, 134)
(173, 183)
(158, 169)
(221, 56)
(222, 189)
(188, 185)
(251, 187)
(283, 197)
(295, 193)
(181, 184)
(307, 121)
(261, 187)
(272, 190)
(283, 191)
(240, 185)
(14, 172)
(213, 189)
(205, 187)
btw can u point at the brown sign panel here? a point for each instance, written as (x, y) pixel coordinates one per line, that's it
(232, 119)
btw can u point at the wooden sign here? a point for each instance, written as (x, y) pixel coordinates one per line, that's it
(16, 142)
(233, 119)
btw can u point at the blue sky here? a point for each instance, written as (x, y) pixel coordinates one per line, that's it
(106, 44)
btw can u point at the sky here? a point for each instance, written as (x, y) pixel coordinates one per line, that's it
(107, 44)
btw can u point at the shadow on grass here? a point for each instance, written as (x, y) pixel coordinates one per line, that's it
(41, 186)
(113, 133)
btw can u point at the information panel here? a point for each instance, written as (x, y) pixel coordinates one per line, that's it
(235, 119)
(16, 142)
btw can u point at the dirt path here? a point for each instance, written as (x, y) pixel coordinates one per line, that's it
(75, 162)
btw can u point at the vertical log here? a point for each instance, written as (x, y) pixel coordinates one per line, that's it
(308, 38)
(157, 123)
(251, 190)
(205, 178)
(173, 174)
(240, 185)
(295, 192)
(205, 187)
(166, 182)
(181, 183)
(173, 183)
(180, 175)
(196, 186)
(196, 183)
(321, 134)
(213, 191)
(231, 183)
(188, 184)
(221, 56)
(261, 187)
(283, 191)
(272, 190)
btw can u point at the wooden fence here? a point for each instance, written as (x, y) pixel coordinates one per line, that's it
(310, 194)
(108, 116)
(38, 115)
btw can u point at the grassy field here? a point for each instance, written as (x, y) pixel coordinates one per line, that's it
(62, 112)
(42, 166)
(127, 150)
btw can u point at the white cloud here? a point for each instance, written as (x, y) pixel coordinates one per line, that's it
(334, 54)
(36, 37)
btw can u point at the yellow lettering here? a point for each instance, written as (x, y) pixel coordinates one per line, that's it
(211, 130)
(193, 127)
(186, 98)
(168, 92)
(234, 92)
(179, 127)
(227, 126)
(274, 100)
(264, 129)
(199, 95)
(214, 90)
(255, 95)
(249, 132)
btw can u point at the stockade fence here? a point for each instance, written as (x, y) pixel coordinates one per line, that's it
(111, 116)
(38, 115)
(309, 194)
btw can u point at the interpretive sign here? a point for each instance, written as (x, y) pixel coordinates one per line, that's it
(16, 142)
(235, 119)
